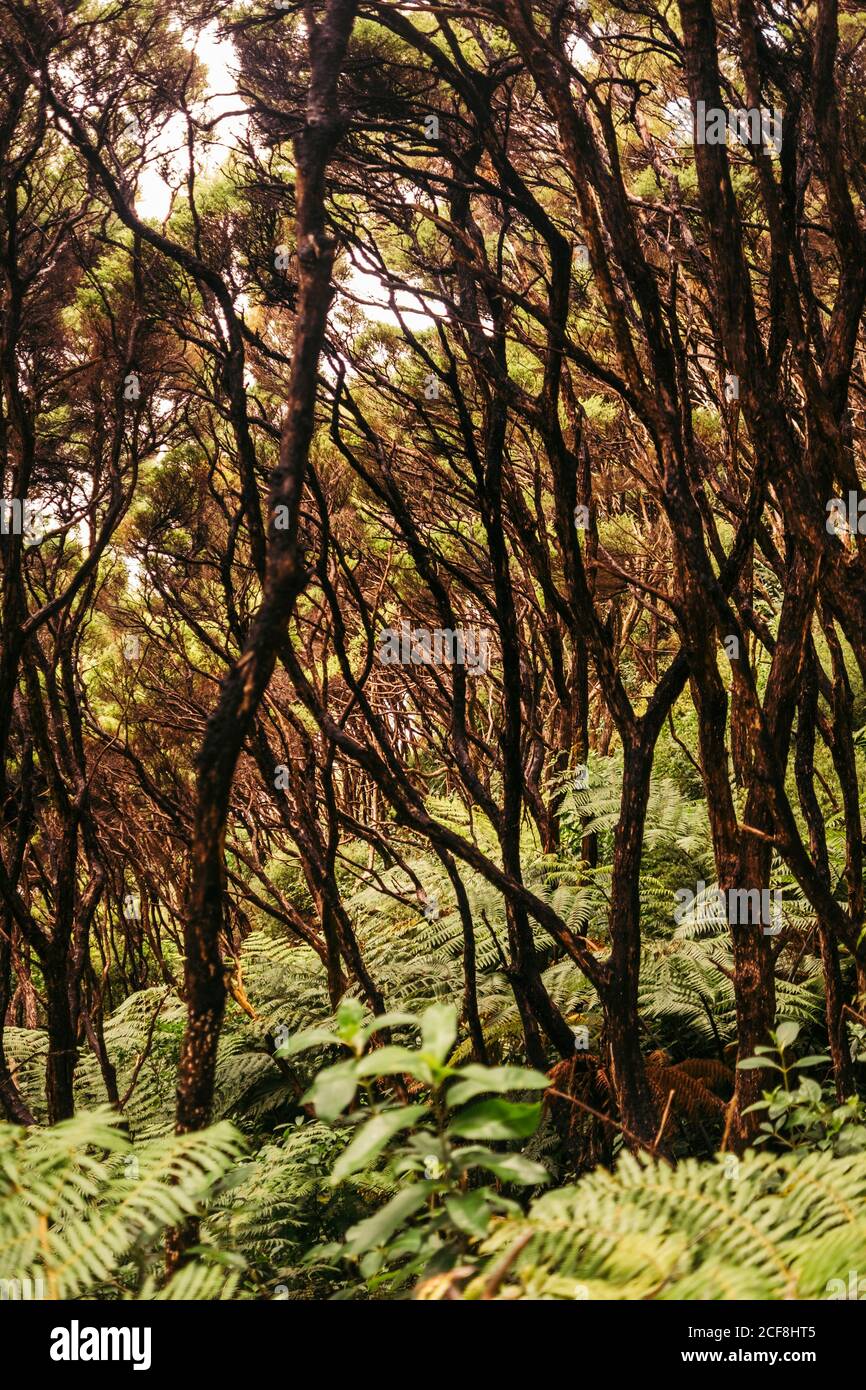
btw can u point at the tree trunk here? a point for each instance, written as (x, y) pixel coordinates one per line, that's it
(637, 1109)
(11, 1099)
(62, 1044)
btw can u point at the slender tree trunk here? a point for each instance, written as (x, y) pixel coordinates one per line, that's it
(471, 1015)
(834, 1003)
(11, 1099)
(634, 1098)
(804, 767)
(62, 1043)
(285, 576)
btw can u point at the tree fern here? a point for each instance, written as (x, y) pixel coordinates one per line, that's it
(763, 1227)
(85, 1210)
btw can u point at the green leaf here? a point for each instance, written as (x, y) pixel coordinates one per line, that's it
(391, 1061)
(810, 1090)
(371, 1264)
(438, 1030)
(372, 1137)
(787, 1033)
(851, 1140)
(389, 1020)
(476, 1080)
(310, 1037)
(507, 1167)
(497, 1119)
(407, 1242)
(350, 1018)
(470, 1212)
(754, 1063)
(333, 1089)
(383, 1223)
(811, 1061)
(331, 1250)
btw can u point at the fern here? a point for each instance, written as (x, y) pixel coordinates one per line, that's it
(85, 1210)
(764, 1227)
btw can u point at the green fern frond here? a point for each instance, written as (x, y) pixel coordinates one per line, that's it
(83, 1208)
(764, 1227)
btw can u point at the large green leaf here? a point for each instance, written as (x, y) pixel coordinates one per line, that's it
(508, 1167)
(438, 1030)
(476, 1081)
(393, 1019)
(333, 1089)
(392, 1061)
(372, 1137)
(787, 1033)
(471, 1212)
(383, 1223)
(497, 1119)
(310, 1037)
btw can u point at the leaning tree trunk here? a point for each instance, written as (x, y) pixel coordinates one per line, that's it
(637, 1108)
(62, 1046)
(232, 719)
(12, 1102)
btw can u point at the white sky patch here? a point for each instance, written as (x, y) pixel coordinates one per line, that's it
(153, 199)
(418, 309)
(682, 118)
(154, 195)
(134, 573)
(579, 52)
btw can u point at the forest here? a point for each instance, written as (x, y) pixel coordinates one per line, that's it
(432, 650)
